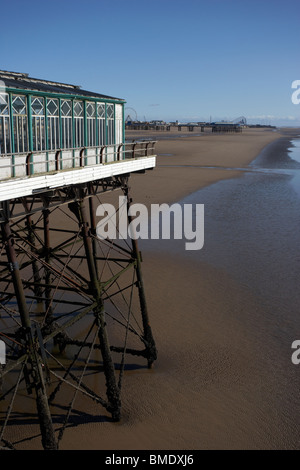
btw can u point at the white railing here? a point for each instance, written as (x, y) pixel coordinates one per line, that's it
(49, 161)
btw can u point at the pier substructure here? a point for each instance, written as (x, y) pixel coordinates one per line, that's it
(72, 310)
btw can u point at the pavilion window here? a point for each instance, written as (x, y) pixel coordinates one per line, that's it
(110, 124)
(20, 123)
(66, 124)
(79, 123)
(38, 123)
(5, 144)
(53, 123)
(119, 123)
(91, 123)
(101, 123)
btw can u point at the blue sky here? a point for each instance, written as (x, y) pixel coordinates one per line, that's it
(169, 59)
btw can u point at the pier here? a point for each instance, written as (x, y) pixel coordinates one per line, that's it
(220, 127)
(73, 307)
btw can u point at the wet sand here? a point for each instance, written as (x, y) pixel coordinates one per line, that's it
(210, 387)
(186, 163)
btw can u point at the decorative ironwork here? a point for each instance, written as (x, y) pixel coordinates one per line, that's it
(38, 123)
(90, 109)
(67, 131)
(78, 109)
(19, 105)
(66, 108)
(110, 124)
(37, 106)
(53, 124)
(4, 104)
(101, 110)
(91, 123)
(52, 107)
(79, 123)
(101, 123)
(110, 111)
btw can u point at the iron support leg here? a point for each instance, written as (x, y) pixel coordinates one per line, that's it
(148, 336)
(46, 426)
(48, 308)
(112, 390)
(35, 269)
(31, 240)
(93, 229)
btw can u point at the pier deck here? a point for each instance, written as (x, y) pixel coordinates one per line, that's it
(86, 166)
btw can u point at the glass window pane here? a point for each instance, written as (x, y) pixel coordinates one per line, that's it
(52, 107)
(90, 109)
(101, 110)
(66, 108)
(4, 104)
(78, 108)
(19, 105)
(37, 106)
(110, 111)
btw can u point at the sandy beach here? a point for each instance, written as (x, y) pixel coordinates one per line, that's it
(211, 387)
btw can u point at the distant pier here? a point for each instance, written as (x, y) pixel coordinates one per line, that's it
(219, 127)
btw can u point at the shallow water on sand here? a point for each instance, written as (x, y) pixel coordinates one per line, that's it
(252, 234)
(251, 230)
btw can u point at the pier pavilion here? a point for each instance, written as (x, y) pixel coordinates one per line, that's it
(72, 306)
(226, 127)
(46, 127)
